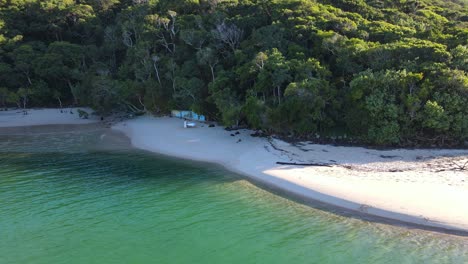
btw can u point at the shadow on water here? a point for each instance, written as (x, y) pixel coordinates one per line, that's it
(352, 213)
(129, 165)
(50, 129)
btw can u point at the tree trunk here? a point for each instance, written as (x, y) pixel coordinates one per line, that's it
(75, 99)
(113, 61)
(173, 85)
(274, 94)
(212, 72)
(154, 100)
(29, 79)
(141, 103)
(157, 73)
(279, 94)
(60, 102)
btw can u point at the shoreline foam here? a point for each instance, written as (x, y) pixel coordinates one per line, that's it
(414, 186)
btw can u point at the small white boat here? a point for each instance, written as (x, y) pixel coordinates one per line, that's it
(189, 124)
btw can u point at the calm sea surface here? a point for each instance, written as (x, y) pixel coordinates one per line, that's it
(70, 195)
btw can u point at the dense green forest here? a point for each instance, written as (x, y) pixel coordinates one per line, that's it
(379, 72)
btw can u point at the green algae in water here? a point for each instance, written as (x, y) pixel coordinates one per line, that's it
(64, 199)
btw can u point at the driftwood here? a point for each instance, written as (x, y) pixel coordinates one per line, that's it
(83, 114)
(459, 166)
(456, 167)
(303, 164)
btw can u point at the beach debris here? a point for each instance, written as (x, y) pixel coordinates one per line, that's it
(424, 218)
(232, 135)
(258, 133)
(455, 166)
(189, 124)
(234, 128)
(425, 157)
(237, 133)
(82, 114)
(364, 208)
(389, 156)
(239, 140)
(459, 166)
(211, 125)
(304, 164)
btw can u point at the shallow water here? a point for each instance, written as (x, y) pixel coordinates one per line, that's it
(82, 196)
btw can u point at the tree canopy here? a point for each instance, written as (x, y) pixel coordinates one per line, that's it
(378, 72)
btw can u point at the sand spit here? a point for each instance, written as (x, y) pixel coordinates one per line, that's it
(424, 187)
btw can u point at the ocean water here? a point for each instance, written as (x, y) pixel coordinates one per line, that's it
(81, 195)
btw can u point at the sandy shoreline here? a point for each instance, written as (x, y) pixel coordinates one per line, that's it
(47, 116)
(423, 187)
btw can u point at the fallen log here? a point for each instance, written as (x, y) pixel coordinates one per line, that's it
(304, 164)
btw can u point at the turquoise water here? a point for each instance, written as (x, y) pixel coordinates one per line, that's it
(81, 197)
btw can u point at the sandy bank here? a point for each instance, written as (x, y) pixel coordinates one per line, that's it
(417, 186)
(36, 117)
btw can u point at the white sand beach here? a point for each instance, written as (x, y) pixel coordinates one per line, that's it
(424, 187)
(51, 116)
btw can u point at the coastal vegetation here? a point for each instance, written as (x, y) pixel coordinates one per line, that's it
(378, 72)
